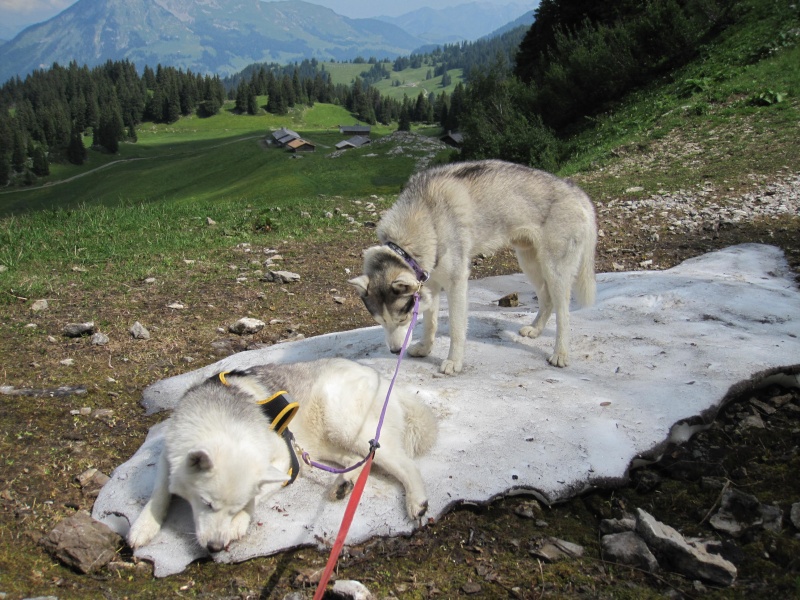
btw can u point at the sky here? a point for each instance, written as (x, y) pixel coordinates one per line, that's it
(15, 15)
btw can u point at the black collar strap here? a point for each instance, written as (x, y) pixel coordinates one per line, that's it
(280, 409)
(422, 274)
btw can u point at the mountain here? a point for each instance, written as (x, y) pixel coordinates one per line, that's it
(458, 23)
(206, 36)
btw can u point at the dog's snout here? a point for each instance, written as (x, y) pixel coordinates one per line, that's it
(215, 546)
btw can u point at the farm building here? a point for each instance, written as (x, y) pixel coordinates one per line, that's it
(353, 142)
(283, 136)
(301, 145)
(363, 130)
(453, 139)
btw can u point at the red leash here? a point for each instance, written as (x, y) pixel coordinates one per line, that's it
(349, 513)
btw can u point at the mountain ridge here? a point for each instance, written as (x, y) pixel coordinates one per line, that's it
(209, 36)
(201, 35)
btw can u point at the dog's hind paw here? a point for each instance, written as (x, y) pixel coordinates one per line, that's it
(341, 489)
(416, 510)
(559, 359)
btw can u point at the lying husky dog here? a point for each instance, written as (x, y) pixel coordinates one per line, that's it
(446, 216)
(222, 453)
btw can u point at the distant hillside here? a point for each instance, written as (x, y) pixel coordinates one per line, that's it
(205, 37)
(457, 23)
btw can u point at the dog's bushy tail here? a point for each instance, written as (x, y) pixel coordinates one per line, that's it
(585, 286)
(421, 426)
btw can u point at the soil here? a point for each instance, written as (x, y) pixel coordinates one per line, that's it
(479, 551)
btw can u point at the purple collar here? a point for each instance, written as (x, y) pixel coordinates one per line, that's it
(422, 275)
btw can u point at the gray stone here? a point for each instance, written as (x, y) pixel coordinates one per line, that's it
(99, 339)
(354, 590)
(740, 513)
(794, 515)
(552, 549)
(74, 330)
(691, 558)
(281, 277)
(139, 331)
(82, 543)
(629, 549)
(246, 326)
(626, 523)
(39, 306)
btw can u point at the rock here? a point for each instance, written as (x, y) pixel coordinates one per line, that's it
(753, 421)
(281, 277)
(691, 558)
(794, 515)
(509, 300)
(247, 326)
(629, 549)
(528, 509)
(139, 332)
(339, 299)
(471, 588)
(92, 481)
(740, 513)
(75, 330)
(626, 523)
(99, 339)
(67, 362)
(82, 543)
(176, 306)
(210, 221)
(353, 590)
(39, 306)
(552, 549)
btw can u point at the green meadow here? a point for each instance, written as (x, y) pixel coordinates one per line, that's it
(148, 205)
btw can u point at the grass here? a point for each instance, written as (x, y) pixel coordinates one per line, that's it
(87, 246)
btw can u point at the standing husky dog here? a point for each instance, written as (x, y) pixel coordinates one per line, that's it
(447, 215)
(222, 453)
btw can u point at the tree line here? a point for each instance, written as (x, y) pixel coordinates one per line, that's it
(44, 118)
(577, 60)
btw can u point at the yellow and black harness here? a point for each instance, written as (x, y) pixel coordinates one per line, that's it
(280, 409)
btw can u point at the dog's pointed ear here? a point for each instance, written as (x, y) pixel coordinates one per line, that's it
(273, 475)
(200, 460)
(360, 283)
(405, 284)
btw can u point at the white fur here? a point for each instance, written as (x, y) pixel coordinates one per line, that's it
(222, 457)
(446, 216)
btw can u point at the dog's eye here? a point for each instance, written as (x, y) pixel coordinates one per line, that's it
(208, 504)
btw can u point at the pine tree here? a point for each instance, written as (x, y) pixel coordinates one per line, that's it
(19, 152)
(76, 151)
(40, 165)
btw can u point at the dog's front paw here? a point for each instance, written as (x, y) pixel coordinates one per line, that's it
(450, 367)
(239, 525)
(144, 529)
(419, 349)
(530, 331)
(416, 508)
(559, 359)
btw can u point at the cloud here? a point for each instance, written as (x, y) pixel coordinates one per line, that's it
(33, 6)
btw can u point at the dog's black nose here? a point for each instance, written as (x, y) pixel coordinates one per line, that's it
(394, 351)
(214, 547)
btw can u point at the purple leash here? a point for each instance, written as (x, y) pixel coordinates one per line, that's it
(373, 444)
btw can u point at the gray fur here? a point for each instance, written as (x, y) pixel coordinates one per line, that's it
(447, 215)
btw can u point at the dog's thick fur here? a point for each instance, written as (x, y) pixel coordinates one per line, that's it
(448, 215)
(221, 455)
